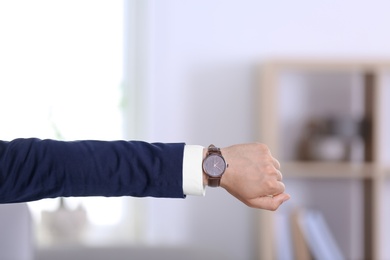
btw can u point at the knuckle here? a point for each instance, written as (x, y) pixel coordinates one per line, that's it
(262, 148)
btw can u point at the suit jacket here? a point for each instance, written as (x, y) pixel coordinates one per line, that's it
(32, 169)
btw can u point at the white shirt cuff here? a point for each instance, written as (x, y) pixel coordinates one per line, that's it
(192, 170)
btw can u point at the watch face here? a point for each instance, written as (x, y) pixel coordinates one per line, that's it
(214, 165)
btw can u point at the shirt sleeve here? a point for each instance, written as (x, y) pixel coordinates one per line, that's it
(192, 170)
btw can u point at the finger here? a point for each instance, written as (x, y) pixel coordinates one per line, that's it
(276, 163)
(274, 173)
(268, 202)
(273, 187)
(279, 175)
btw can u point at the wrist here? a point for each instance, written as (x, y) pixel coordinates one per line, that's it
(205, 179)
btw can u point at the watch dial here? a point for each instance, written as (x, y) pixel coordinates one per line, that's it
(214, 165)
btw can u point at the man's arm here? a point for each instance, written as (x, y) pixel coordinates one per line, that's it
(32, 169)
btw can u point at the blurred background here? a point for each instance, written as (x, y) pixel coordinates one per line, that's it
(202, 72)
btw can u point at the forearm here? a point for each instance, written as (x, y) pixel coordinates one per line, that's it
(32, 169)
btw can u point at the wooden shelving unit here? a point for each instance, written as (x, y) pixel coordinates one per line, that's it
(287, 100)
(330, 170)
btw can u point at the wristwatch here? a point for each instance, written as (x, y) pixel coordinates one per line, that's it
(214, 166)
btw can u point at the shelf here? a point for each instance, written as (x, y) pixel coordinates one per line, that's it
(338, 65)
(294, 92)
(329, 170)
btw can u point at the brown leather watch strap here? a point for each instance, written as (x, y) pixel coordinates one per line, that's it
(213, 182)
(213, 149)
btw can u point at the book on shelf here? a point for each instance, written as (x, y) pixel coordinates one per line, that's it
(312, 238)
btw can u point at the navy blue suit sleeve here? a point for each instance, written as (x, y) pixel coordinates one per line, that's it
(32, 169)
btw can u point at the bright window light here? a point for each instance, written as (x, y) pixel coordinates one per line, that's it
(60, 77)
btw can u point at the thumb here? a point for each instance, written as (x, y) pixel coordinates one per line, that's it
(269, 202)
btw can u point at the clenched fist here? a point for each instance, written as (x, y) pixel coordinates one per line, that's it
(253, 176)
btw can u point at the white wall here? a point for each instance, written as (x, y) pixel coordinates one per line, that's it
(202, 74)
(207, 49)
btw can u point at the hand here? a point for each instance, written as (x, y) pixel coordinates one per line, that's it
(253, 176)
